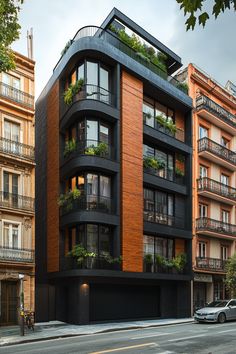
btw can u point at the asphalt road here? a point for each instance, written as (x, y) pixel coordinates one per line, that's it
(186, 339)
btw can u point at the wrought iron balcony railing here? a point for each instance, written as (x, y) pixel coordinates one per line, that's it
(88, 202)
(203, 102)
(16, 201)
(212, 264)
(210, 185)
(16, 95)
(164, 219)
(17, 149)
(152, 122)
(16, 254)
(112, 39)
(216, 226)
(206, 144)
(89, 148)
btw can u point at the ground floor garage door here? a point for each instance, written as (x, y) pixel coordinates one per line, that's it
(117, 302)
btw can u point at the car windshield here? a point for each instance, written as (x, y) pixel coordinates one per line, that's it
(217, 303)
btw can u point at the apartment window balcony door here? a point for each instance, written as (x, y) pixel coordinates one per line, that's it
(225, 181)
(10, 189)
(12, 133)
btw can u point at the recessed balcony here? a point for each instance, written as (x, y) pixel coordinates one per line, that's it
(16, 254)
(215, 114)
(217, 153)
(210, 188)
(210, 264)
(163, 219)
(16, 149)
(215, 228)
(16, 201)
(16, 96)
(88, 202)
(97, 262)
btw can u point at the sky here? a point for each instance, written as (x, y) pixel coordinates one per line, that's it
(54, 22)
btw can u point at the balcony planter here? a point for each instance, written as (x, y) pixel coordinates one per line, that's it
(72, 91)
(70, 146)
(100, 150)
(90, 260)
(151, 164)
(148, 263)
(179, 262)
(66, 200)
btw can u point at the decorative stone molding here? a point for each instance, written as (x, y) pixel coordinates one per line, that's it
(27, 223)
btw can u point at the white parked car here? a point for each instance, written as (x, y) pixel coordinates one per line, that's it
(217, 311)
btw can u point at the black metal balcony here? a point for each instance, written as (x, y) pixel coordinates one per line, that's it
(206, 144)
(16, 254)
(152, 122)
(164, 219)
(91, 92)
(88, 202)
(212, 264)
(98, 262)
(112, 39)
(165, 173)
(16, 95)
(17, 149)
(89, 148)
(210, 185)
(216, 226)
(16, 201)
(203, 102)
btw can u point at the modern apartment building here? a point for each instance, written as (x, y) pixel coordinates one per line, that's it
(17, 172)
(113, 176)
(214, 183)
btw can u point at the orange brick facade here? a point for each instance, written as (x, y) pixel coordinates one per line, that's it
(53, 179)
(131, 173)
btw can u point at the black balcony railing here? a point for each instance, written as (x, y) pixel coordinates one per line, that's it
(16, 201)
(98, 262)
(203, 102)
(214, 264)
(165, 173)
(210, 185)
(164, 219)
(17, 149)
(216, 226)
(16, 95)
(89, 148)
(16, 254)
(206, 144)
(163, 269)
(88, 202)
(112, 39)
(92, 92)
(152, 122)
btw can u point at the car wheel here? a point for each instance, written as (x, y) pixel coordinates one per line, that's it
(221, 318)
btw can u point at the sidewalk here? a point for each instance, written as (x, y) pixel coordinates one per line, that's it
(57, 329)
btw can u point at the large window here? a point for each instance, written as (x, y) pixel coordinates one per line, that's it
(152, 109)
(165, 158)
(11, 235)
(96, 77)
(158, 206)
(158, 246)
(95, 238)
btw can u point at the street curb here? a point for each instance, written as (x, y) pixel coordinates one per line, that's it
(87, 334)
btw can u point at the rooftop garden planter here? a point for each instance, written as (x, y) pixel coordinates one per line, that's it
(72, 90)
(67, 46)
(183, 86)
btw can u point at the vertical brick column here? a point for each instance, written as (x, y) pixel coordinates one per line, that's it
(131, 173)
(53, 179)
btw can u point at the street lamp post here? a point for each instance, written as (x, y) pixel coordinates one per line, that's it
(22, 327)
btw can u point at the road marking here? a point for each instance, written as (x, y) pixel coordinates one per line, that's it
(184, 338)
(227, 330)
(124, 348)
(151, 335)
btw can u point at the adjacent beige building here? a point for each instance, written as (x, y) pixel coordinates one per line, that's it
(17, 185)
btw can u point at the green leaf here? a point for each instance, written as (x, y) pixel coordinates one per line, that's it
(203, 18)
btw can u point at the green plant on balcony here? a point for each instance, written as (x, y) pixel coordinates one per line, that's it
(80, 253)
(66, 200)
(70, 146)
(152, 162)
(67, 46)
(171, 126)
(179, 262)
(113, 260)
(100, 150)
(148, 115)
(179, 172)
(161, 119)
(72, 90)
(183, 86)
(148, 262)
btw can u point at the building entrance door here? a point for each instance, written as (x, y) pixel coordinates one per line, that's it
(199, 295)
(9, 302)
